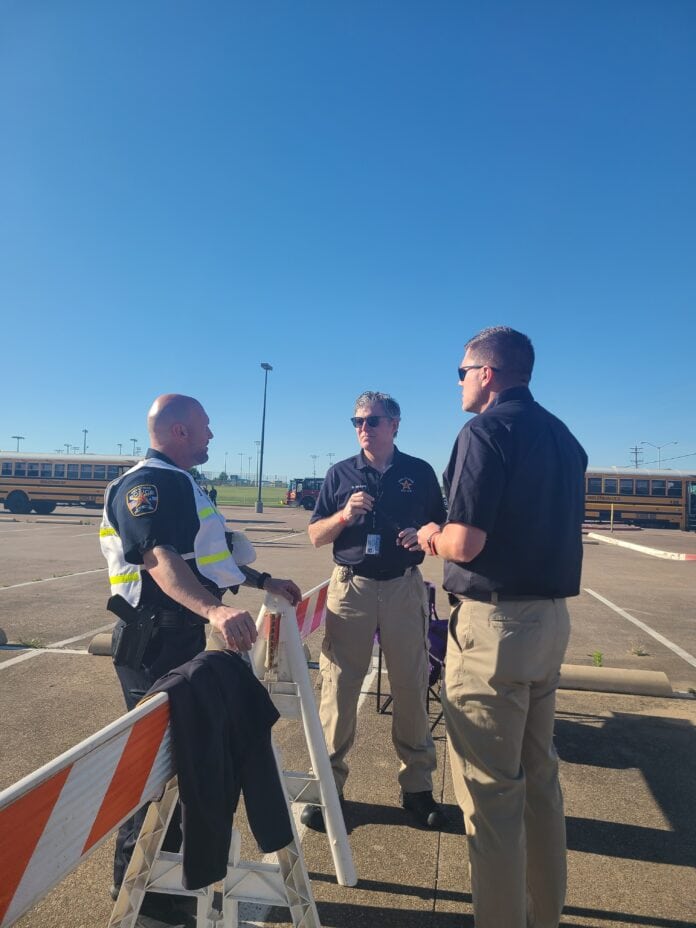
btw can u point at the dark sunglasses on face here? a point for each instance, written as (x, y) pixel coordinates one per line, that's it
(474, 367)
(371, 421)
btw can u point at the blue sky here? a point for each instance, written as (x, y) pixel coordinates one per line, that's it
(347, 190)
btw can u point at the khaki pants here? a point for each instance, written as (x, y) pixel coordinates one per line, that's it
(356, 608)
(502, 671)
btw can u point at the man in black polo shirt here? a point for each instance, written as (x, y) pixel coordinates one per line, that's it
(369, 508)
(513, 550)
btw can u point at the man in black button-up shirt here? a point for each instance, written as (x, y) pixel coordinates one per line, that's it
(513, 551)
(370, 507)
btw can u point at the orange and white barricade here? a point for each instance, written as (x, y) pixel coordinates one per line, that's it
(54, 818)
(279, 661)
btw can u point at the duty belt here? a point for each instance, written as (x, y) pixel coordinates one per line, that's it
(493, 598)
(176, 618)
(345, 573)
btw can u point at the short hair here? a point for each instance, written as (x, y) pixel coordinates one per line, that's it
(505, 348)
(391, 407)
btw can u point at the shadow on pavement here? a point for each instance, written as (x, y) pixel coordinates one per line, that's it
(663, 750)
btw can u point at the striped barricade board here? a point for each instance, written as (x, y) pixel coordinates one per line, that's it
(55, 817)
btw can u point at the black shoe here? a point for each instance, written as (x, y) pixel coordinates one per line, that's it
(313, 816)
(424, 807)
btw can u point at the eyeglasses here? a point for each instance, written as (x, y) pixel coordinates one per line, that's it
(474, 367)
(371, 421)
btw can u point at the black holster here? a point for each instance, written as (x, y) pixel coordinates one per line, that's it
(131, 639)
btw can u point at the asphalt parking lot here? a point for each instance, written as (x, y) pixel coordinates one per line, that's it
(628, 762)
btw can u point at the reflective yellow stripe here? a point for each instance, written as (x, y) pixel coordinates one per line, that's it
(212, 558)
(103, 532)
(204, 513)
(124, 578)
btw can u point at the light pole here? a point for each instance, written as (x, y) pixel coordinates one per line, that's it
(330, 455)
(120, 445)
(84, 441)
(314, 463)
(67, 447)
(227, 476)
(266, 368)
(659, 449)
(258, 445)
(134, 440)
(18, 439)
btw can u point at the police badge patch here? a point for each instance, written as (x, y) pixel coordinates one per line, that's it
(142, 500)
(406, 484)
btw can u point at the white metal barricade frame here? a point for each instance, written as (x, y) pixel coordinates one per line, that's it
(57, 816)
(280, 663)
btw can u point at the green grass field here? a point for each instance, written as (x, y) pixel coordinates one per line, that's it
(247, 496)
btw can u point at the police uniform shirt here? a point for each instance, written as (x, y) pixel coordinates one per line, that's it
(517, 473)
(155, 507)
(407, 495)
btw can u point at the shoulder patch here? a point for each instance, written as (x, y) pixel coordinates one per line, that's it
(142, 500)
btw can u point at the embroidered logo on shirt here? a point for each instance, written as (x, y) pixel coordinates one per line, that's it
(406, 484)
(142, 500)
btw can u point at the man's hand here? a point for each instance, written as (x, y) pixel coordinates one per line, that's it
(358, 504)
(235, 626)
(425, 533)
(285, 588)
(408, 538)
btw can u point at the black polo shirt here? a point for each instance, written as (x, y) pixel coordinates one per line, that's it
(517, 473)
(407, 495)
(155, 507)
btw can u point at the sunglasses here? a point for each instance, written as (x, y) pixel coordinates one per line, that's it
(461, 371)
(371, 421)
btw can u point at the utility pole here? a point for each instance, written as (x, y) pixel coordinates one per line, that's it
(18, 439)
(635, 452)
(120, 445)
(84, 441)
(314, 463)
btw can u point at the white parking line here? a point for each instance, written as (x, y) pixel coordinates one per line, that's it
(680, 652)
(80, 573)
(56, 646)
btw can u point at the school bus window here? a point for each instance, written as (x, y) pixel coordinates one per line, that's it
(59, 470)
(32, 469)
(658, 487)
(642, 487)
(7, 468)
(73, 471)
(20, 469)
(112, 471)
(610, 485)
(46, 470)
(674, 488)
(594, 484)
(625, 487)
(100, 471)
(85, 471)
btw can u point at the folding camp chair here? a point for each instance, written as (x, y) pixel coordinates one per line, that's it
(437, 647)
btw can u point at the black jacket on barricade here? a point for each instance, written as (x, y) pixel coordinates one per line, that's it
(221, 719)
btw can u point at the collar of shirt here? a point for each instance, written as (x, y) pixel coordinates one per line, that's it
(362, 463)
(521, 394)
(151, 453)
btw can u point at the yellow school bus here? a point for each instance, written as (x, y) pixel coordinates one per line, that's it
(653, 499)
(40, 482)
